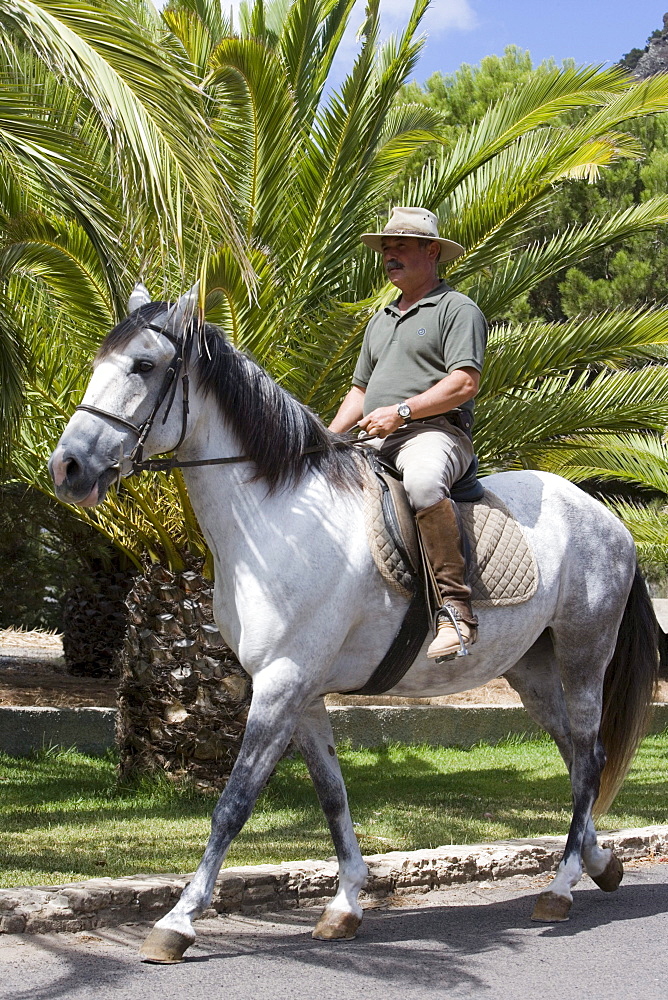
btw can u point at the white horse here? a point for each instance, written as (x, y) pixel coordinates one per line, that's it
(299, 598)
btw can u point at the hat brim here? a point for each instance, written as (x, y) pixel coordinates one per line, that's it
(449, 249)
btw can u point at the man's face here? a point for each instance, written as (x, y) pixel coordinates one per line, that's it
(409, 263)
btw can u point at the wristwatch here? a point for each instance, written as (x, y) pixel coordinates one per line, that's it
(404, 411)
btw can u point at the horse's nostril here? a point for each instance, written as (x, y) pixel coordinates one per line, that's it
(72, 468)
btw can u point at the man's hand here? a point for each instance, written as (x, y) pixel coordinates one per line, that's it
(382, 421)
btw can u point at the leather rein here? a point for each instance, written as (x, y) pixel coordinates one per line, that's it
(178, 365)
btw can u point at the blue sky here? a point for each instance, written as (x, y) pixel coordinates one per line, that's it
(589, 31)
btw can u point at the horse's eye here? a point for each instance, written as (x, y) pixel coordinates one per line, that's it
(144, 366)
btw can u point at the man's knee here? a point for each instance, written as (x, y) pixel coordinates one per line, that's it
(423, 491)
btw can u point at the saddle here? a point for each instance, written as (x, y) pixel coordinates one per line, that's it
(502, 569)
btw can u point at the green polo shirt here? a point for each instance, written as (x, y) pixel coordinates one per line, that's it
(404, 354)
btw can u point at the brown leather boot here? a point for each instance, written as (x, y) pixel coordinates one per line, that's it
(441, 533)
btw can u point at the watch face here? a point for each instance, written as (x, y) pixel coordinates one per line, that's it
(404, 410)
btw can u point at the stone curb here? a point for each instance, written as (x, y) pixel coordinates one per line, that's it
(26, 729)
(103, 902)
(92, 730)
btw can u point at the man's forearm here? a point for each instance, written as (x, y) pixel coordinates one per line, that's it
(453, 390)
(350, 412)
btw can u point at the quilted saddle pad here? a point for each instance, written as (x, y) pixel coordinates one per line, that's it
(503, 570)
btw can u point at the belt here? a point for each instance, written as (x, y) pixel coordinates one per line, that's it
(462, 419)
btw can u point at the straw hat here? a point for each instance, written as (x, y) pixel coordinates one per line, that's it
(417, 222)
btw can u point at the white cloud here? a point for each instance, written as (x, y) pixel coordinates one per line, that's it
(443, 15)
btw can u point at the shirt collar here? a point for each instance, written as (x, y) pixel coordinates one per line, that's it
(430, 299)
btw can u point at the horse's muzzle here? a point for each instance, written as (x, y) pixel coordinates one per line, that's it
(77, 480)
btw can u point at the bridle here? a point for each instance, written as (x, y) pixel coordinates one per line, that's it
(178, 365)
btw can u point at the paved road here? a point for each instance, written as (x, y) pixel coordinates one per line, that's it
(470, 941)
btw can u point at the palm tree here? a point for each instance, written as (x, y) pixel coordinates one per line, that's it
(264, 198)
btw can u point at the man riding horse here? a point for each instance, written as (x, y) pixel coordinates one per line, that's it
(413, 388)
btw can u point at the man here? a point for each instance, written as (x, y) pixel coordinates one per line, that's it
(412, 392)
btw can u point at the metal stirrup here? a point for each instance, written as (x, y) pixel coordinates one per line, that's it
(462, 651)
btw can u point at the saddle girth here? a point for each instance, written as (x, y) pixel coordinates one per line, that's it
(400, 524)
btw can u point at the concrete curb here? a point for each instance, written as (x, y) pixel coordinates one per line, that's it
(442, 725)
(101, 902)
(91, 730)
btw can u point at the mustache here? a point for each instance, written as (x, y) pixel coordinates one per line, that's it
(393, 262)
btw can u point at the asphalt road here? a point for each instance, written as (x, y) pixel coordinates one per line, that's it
(469, 941)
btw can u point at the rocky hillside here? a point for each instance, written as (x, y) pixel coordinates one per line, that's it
(653, 58)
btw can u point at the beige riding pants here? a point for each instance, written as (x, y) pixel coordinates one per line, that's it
(431, 456)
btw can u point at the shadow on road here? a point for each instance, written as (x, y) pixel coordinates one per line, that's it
(417, 949)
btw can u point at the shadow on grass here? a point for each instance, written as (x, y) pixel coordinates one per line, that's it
(400, 800)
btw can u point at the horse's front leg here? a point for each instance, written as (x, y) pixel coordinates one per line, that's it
(342, 916)
(273, 716)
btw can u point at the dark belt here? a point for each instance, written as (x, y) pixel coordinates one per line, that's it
(462, 419)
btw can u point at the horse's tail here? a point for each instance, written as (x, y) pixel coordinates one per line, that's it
(663, 653)
(629, 688)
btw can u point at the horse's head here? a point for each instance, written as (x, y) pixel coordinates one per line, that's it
(127, 410)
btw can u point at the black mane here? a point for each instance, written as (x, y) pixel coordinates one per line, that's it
(274, 429)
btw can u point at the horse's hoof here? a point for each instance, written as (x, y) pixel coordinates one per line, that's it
(551, 908)
(165, 947)
(611, 876)
(336, 926)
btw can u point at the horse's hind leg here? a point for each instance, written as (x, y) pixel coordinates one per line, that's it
(342, 916)
(536, 678)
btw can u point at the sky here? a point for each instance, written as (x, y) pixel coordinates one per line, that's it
(589, 31)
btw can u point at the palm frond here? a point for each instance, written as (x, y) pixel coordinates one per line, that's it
(60, 255)
(532, 105)
(637, 459)
(254, 96)
(541, 260)
(518, 354)
(648, 523)
(521, 428)
(153, 118)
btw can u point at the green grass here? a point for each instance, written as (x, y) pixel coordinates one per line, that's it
(64, 818)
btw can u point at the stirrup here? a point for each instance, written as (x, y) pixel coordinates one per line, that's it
(452, 615)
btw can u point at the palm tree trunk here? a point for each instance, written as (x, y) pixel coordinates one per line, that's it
(183, 696)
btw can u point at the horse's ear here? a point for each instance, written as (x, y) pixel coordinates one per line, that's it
(140, 297)
(185, 308)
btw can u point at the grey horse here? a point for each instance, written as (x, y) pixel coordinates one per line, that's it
(301, 602)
